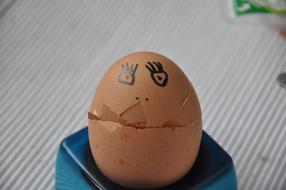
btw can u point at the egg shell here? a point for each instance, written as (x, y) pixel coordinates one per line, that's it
(143, 158)
(145, 132)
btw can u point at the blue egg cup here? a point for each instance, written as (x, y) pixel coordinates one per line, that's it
(75, 168)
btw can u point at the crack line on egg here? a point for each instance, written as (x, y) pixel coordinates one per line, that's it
(127, 109)
(142, 125)
(133, 125)
(173, 120)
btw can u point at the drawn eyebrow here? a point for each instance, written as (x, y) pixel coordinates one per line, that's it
(132, 66)
(159, 65)
(127, 66)
(136, 66)
(152, 66)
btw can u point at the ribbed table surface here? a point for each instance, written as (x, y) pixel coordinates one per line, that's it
(53, 53)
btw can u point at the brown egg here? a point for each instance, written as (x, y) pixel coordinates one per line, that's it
(145, 122)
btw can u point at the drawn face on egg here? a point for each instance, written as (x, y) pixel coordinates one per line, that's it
(141, 90)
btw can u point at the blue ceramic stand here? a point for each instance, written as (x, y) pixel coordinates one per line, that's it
(75, 168)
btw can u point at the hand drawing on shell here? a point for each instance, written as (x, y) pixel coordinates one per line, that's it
(145, 122)
(159, 76)
(127, 75)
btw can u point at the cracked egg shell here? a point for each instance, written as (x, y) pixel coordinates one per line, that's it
(145, 122)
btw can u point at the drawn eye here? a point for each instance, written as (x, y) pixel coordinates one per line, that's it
(127, 75)
(159, 76)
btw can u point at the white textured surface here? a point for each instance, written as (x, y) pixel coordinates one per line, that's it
(52, 54)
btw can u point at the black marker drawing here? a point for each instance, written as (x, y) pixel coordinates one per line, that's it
(159, 76)
(127, 75)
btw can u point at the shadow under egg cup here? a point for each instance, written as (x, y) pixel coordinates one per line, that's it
(76, 169)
